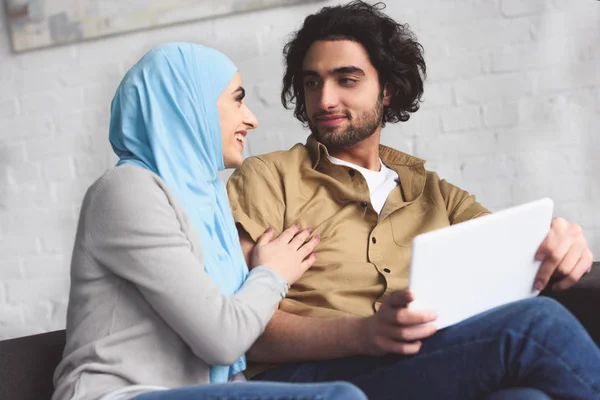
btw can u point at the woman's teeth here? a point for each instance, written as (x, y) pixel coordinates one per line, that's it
(240, 137)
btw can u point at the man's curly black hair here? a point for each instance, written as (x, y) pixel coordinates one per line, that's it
(393, 50)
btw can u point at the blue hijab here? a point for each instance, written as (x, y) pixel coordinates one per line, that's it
(164, 118)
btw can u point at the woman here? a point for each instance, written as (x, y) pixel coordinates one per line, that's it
(161, 297)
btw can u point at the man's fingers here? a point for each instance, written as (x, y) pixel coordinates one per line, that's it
(552, 257)
(401, 298)
(265, 237)
(406, 316)
(575, 252)
(581, 268)
(396, 347)
(408, 333)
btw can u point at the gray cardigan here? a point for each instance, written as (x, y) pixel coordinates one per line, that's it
(142, 311)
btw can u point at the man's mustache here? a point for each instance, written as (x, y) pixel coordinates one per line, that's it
(320, 114)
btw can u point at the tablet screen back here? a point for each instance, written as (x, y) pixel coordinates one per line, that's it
(471, 267)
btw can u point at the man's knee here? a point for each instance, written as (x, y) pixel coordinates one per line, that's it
(542, 313)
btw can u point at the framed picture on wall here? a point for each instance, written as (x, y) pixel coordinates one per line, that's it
(41, 23)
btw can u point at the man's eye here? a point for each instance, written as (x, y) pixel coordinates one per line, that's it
(310, 84)
(347, 81)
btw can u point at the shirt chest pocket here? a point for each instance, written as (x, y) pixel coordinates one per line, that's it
(418, 217)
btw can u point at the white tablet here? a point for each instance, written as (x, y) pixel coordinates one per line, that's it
(471, 267)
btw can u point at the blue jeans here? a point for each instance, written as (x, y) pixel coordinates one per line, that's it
(534, 343)
(259, 391)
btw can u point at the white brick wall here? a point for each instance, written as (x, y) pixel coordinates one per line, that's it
(512, 113)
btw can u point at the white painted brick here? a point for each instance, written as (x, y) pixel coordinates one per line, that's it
(36, 290)
(482, 35)
(8, 109)
(65, 101)
(17, 244)
(494, 194)
(20, 330)
(46, 266)
(99, 96)
(584, 98)
(86, 75)
(10, 268)
(396, 140)
(58, 169)
(456, 145)
(35, 81)
(438, 95)
(515, 140)
(59, 244)
(90, 166)
(553, 162)
(555, 118)
(38, 313)
(580, 20)
(25, 196)
(42, 59)
(562, 188)
(23, 172)
(568, 77)
(493, 89)
(461, 119)
(592, 234)
(594, 50)
(275, 25)
(10, 315)
(446, 167)
(68, 191)
(422, 123)
(519, 8)
(85, 122)
(560, 51)
(457, 13)
(488, 167)
(103, 52)
(451, 68)
(11, 154)
(500, 115)
(60, 146)
(28, 224)
(25, 128)
(58, 314)
(584, 215)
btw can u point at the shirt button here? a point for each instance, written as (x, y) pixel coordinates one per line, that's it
(351, 172)
(373, 240)
(387, 270)
(364, 204)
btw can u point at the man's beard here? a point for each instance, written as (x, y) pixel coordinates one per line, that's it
(357, 129)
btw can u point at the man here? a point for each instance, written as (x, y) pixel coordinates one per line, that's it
(350, 70)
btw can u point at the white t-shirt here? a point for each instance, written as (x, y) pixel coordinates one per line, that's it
(381, 183)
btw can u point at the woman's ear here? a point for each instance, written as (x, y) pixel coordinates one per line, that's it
(388, 90)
